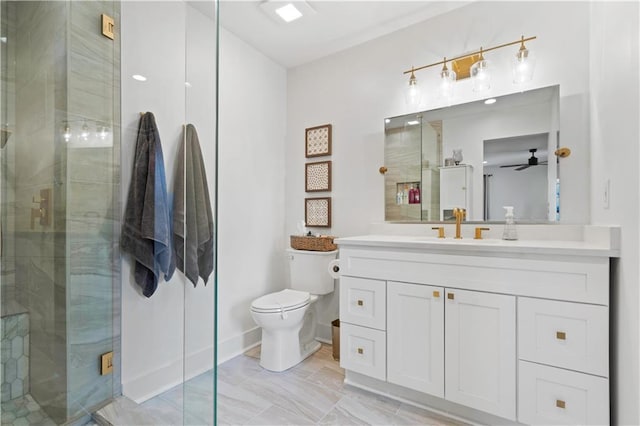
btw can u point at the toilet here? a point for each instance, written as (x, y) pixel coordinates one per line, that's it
(287, 317)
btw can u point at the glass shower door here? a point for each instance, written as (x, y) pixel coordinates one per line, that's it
(59, 203)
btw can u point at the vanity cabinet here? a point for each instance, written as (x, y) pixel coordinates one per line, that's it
(521, 337)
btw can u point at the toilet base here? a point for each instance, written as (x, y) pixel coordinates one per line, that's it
(279, 364)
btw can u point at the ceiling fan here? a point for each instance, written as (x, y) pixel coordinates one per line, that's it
(533, 161)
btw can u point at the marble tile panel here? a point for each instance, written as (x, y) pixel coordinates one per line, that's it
(356, 412)
(238, 369)
(411, 415)
(292, 393)
(237, 405)
(276, 416)
(328, 378)
(364, 396)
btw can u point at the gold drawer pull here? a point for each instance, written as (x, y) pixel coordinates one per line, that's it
(360, 302)
(560, 403)
(436, 294)
(360, 351)
(450, 296)
(561, 335)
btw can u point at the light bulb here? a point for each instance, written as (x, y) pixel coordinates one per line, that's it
(412, 93)
(523, 65)
(103, 133)
(66, 135)
(85, 132)
(447, 79)
(480, 74)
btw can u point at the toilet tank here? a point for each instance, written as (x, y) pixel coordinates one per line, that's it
(309, 270)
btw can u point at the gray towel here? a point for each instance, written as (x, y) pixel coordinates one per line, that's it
(192, 218)
(146, 228)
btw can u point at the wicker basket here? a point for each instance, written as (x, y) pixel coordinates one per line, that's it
(323, 243)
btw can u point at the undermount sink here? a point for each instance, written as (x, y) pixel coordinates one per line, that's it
(458, 240)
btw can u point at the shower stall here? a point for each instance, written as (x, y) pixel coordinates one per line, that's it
(68, 122)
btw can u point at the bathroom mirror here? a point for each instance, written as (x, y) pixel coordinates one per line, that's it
(481, 156)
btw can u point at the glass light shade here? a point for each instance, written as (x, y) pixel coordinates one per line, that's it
(85, 132)
(412, 93)
(66, 132)
(522, 66)
(447, 80)
(481, 75)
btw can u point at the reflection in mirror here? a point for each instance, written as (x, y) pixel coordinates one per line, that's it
(504, 148)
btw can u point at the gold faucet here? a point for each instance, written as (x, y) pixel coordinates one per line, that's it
(459, 213)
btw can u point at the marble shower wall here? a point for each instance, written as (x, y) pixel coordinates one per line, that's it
(93, 197)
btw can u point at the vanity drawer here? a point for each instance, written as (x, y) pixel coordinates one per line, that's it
(363, 302)
(564, 334)
(363, 350)
(549, 395)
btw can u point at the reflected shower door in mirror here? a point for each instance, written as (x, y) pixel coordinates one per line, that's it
(507, 149)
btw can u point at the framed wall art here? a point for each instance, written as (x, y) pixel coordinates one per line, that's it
(318, 141)
(317, 176)
(317, 212)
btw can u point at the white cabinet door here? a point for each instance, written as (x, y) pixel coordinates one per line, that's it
(415, 337)
(480, 346)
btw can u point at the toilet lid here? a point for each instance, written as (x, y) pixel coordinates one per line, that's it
(282, 300)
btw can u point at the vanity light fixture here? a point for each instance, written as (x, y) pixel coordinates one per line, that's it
(412, 93)
(473, 65)
(481, 74)
(447, 78)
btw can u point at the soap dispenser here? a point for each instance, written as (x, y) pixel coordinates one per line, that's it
(509, 232)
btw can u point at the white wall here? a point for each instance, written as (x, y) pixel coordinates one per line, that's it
(615, 157)
(172, 331)
(356, 89)
(251, 142)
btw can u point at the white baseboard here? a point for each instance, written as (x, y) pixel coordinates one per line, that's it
(239, 344)
(161, 379)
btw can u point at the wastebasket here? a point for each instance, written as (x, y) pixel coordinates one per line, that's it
(335, 338)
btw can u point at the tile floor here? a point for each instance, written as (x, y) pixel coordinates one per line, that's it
(311, 393)
(24, 411)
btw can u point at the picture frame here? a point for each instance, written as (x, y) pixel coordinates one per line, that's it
(317, 212)
(317, 176)
(317, 141)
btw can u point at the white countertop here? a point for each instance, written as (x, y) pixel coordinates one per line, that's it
(594, 241)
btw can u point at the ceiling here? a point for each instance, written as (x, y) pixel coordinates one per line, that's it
(335, 26)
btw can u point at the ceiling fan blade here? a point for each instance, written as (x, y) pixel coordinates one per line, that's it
(515, 165)
(522, 167)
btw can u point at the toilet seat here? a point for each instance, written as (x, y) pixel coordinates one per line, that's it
(285, 300)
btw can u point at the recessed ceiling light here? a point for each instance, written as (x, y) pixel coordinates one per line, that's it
(386, 120)
(288, 13)
(413, 122)
(484, 162)
(490, 101)
(139, 77)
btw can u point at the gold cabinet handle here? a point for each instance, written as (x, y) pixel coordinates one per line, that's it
(450, 296)
(561, 335)
(383, 170)
(560, 403)
(440, 231)
(360, 302)
(436, 293)
(360, 351)
(479, 230)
